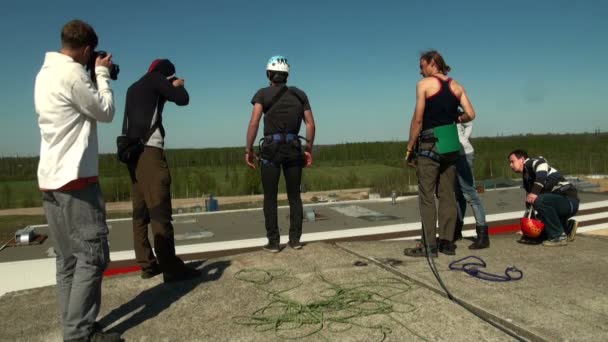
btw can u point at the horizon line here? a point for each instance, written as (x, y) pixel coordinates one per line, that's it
(596, 132)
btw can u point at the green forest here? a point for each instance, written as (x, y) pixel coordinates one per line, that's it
(378, 165)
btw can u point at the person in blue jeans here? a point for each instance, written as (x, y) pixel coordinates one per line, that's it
(554, 199)
(466, 192)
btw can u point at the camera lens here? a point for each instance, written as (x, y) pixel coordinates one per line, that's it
(114, 70)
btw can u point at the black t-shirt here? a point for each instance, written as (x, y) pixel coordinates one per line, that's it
(287, 113)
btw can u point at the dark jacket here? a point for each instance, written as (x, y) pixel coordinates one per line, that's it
(147, 97)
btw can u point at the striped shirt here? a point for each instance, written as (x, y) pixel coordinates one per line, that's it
(540, 178)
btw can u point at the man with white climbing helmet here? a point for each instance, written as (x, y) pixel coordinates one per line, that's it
(284, 109)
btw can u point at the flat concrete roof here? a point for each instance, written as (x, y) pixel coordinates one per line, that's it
(223, 226)
(348, 291)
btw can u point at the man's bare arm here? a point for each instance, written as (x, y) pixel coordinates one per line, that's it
(416, 124)
(309, 120)
(254, 124)
(469, 112)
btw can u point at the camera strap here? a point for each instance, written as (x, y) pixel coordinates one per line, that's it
(276, 98)
(273, 101)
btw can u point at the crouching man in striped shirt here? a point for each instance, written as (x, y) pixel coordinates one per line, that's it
(555, 199)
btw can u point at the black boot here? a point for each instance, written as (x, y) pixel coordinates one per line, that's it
(458, 230)
(446, 247)
(482, 240)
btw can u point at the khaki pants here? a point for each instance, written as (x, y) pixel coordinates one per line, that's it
(437, 178)
(151, 197)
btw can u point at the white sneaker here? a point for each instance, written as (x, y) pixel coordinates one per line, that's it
(571, 228)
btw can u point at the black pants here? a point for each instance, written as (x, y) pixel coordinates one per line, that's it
(271, 172)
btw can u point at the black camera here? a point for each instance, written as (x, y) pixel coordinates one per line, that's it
(114, 68)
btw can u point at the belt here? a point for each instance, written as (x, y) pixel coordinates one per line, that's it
(282, 137)
(563, 188)
(430, 154)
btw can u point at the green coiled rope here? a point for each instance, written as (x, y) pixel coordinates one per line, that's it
(339, 309)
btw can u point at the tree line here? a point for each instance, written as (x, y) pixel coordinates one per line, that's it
(379, 165)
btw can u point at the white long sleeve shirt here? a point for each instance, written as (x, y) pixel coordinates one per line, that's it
(68, 107)
(464, 134)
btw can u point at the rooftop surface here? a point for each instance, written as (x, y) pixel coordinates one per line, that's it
(350, 282)
(348, 291)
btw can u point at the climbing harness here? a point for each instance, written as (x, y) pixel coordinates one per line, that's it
(445, 138)
(279, 139)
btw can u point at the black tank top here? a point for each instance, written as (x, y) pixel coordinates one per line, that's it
(441, 108)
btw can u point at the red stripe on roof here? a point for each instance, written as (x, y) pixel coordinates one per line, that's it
(121, 270)
(510, 228)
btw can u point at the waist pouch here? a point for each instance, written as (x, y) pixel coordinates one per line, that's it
(128, 149)
(440, 144)
(447, 139)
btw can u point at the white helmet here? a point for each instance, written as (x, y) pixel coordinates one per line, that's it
(278, 63)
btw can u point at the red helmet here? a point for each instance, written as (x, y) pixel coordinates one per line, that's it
(531, 228)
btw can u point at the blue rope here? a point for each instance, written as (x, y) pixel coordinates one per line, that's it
(473, 269)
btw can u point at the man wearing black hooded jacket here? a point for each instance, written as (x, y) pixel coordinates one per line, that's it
(150, 177)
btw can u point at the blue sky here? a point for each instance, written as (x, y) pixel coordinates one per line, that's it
(528, 66)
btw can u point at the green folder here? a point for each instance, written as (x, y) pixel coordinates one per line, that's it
(447, 139)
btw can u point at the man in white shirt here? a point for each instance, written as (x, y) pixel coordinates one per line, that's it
(69, 105)
(466, 192)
